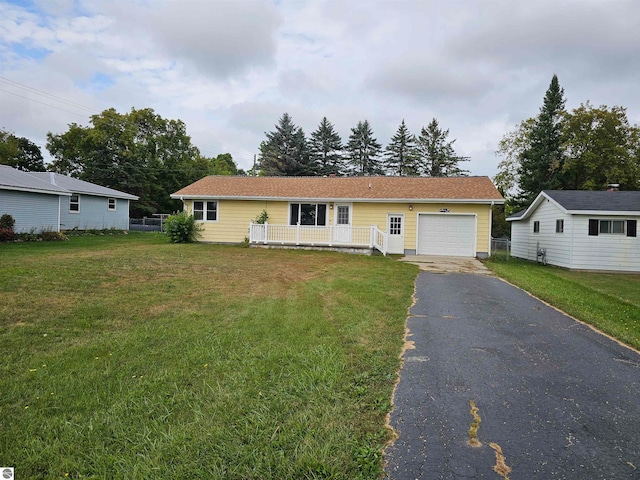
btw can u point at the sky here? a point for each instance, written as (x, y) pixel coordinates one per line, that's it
(230, 69)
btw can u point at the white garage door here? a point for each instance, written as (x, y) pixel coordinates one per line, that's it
(452, 235)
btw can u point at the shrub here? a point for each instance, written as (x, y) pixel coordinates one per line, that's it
(7, 222)
(49, 236)
(262, 218)
(181, 228)
(7, 235)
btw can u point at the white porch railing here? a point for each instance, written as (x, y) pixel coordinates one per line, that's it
(330, 236)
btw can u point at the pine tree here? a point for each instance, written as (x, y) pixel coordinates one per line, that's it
(364, 151)
(401, 156)
(285, 152)
(325, 147)
(541, 164)
(437, 158)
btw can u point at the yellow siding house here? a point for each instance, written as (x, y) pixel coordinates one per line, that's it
(398, 215)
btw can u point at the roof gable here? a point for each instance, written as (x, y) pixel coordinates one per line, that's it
(473, 189)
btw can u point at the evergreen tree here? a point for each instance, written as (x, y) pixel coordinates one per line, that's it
(325, 148)
(401, 156)
(541, 163)
(364, 150)
(285, 151)
(437, 158)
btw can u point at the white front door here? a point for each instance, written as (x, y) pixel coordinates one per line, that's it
(395, 232)
(342, 229)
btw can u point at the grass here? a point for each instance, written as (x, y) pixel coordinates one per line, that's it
(129, 357)
(610, 302)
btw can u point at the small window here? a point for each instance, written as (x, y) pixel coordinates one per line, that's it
(559, 226)
(74, 203)
(536, 227)
(112, 204)
(205, 210)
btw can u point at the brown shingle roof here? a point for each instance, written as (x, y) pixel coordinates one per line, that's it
(343, 188)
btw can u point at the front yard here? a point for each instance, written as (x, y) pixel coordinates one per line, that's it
(610, 302)
(128, 357)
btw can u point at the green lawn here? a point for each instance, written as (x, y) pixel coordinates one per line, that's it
(610, 302)
(129, 357)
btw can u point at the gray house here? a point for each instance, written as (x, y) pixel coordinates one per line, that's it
(48, 201)
(33, 203)
(90, 206)
(579, 229)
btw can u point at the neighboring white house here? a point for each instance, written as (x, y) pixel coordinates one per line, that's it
(580, 229)
(49, 201)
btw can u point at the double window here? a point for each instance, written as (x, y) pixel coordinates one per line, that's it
(205, 211)
(308, 214)
(111, 204)
(612, 227)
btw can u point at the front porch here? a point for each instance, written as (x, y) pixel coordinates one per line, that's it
(340, 236)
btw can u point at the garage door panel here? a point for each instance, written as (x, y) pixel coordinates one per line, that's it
(451, 235)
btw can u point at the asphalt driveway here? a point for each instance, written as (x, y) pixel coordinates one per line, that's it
(557, 398)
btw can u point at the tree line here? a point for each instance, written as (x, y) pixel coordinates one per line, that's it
(586, 148)
(288, 152)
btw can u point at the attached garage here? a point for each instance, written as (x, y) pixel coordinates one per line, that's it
(447, 234)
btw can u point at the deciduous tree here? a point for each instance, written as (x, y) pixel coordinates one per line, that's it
(20, 153)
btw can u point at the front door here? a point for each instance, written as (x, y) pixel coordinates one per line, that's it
(395, 232)
(342, 229)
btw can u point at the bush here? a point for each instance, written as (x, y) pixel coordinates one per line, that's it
(49, 236)
(7, 235)
(181, 228)
(7, 222)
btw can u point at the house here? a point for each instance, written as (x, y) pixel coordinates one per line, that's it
(33, 203)
(579, 229)
(403, 215)
(49, 201)
(90, 206)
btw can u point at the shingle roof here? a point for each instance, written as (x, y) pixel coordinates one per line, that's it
(478, 189)
(576, 200)
(12, 179)
(80, 186)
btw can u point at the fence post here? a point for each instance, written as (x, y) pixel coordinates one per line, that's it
(298, 233)
(330, 235)
(266, 233)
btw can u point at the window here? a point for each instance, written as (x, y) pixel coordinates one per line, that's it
(308, 214)
(74, 203)
(343, 215)
(559, 226)
(613, 227)
(205, 211)
(536, 227)
(395, 225)
(112, 204)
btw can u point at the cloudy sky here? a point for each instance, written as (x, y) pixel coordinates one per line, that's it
(229, 69)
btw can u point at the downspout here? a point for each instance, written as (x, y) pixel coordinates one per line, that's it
(59, 206)
(490, 224)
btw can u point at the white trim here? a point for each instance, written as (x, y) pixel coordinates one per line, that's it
(74, 211)
(335, 212)
(115, 204)
(402, 230)
(204, 210)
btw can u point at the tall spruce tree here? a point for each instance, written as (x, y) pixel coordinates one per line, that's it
(364, 151)
(325, 148)
(542, 162)
(401, 156)
(436, 156)
(285, 151)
